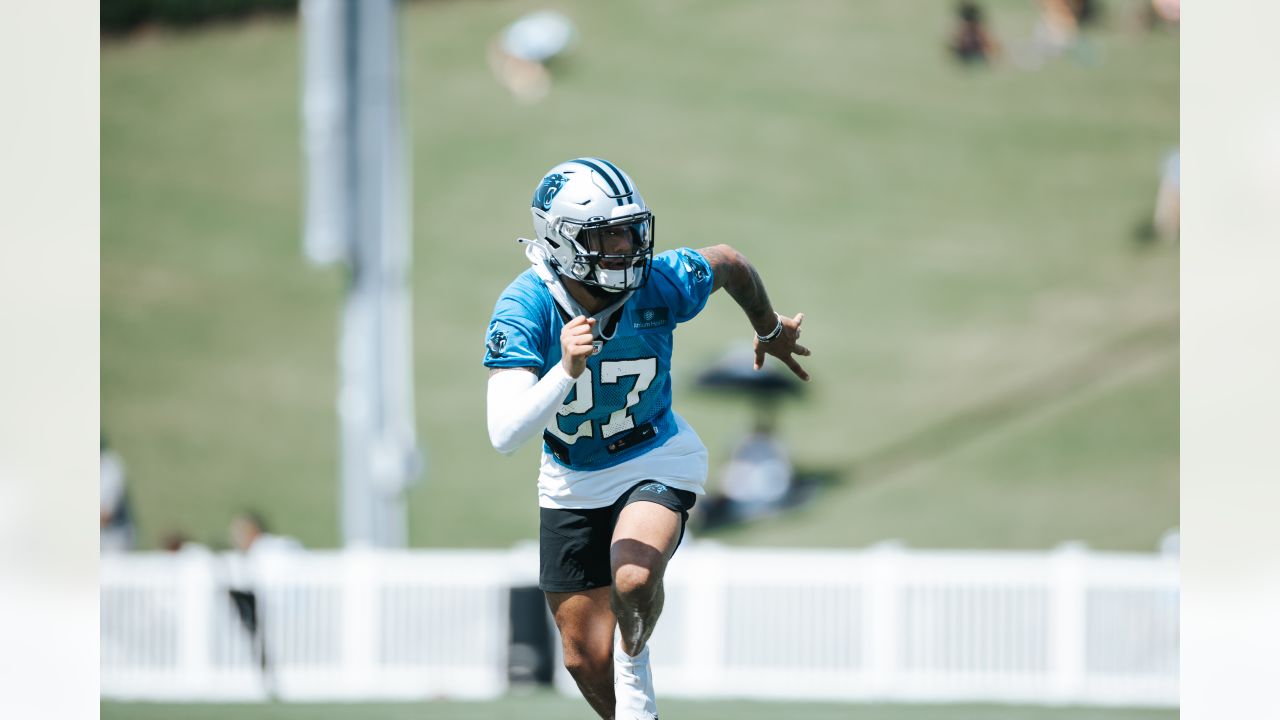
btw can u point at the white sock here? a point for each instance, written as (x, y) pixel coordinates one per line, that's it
(620, 655)
(633, 684)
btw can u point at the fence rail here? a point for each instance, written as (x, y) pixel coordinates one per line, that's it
(885, 624)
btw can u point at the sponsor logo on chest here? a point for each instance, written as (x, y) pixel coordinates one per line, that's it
(646, 318)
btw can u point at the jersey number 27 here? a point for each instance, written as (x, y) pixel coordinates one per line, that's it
(644, 370)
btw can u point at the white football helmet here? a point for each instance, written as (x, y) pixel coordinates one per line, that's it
(591, 220)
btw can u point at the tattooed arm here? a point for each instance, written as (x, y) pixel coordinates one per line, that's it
(736, 275)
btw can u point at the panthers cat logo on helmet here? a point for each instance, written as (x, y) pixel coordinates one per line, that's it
(547, 190)
(589, 217)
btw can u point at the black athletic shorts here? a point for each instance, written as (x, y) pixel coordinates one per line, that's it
(574, 544)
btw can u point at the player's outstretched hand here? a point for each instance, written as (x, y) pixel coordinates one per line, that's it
(785, 346)
(575, 344)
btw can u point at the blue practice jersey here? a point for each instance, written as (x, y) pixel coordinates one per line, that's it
(620, 406)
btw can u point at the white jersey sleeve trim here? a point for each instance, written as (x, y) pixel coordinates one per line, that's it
(520, 405)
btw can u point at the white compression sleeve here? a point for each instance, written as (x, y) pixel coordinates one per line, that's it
(520, 405)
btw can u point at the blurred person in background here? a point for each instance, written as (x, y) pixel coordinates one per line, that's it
(1164, 13)
(579, 352)
(757, 477)
(970, 41)
(757, 481)
(173, 541)
(253, 544)
(1056, 28)
(115, 522)
(1086, 12)
(249, 535)
(520, 56)
(1168, 213)
(1057, 32)
(1165, 220)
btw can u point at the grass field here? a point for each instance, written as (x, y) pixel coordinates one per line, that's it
(995, 360)
(554, 707)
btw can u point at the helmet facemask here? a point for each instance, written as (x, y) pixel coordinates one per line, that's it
(612, 255)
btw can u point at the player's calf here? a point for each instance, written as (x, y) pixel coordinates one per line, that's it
(586, 625)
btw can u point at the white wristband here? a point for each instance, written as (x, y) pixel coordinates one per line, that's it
(776, 331)
(520, 405)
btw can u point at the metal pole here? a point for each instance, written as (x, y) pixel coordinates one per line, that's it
(358, 211)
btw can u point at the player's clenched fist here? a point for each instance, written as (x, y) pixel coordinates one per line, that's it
(575, 344)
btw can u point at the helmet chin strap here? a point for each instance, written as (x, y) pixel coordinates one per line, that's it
(539, 243)
(540, 256)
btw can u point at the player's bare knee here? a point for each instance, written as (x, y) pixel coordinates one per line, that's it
(635, 582)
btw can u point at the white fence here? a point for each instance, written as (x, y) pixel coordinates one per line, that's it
(885, 624)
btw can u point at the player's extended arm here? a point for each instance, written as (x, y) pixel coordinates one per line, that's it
(520, 405)
(732, 271)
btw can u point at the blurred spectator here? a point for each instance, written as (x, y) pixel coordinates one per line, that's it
(758, 479)
(1164, 13)
(758, 474)
(1086, 12)
(174, 541)
(521, 54)
(253, 544)
(1057, 33)
(970, 42)
(249, 535)
(114, 520)
(1056, 28)
(1167, 218)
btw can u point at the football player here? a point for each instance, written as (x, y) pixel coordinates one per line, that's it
(579, 351)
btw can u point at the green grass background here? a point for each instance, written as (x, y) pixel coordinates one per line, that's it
(995, 360)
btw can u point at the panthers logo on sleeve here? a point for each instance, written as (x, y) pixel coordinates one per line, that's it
(696, 270)
(497, 343)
